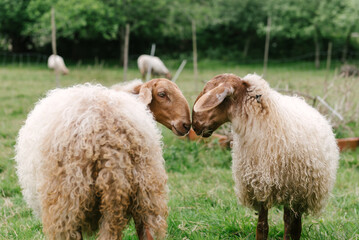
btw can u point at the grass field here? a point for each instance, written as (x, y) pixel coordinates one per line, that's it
(202, 200)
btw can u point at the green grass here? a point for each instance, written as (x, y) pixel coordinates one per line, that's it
(202, 200)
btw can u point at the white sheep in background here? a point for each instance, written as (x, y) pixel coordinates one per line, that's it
(57, 63)
(157, 66)
(284, 151)
(89, 157)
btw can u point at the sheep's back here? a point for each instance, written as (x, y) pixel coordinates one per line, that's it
(72, 129)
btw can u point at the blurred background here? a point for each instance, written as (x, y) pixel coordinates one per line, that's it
(229, 30)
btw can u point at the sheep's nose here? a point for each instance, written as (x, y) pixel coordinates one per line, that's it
(187, 126)
(197, 128)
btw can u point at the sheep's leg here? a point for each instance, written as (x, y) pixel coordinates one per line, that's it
(113, 189)
(143, 71)
(262, 225)
(143, 75)
(63, 202)
(287, 222)
(113, 223)
(150, 216)
(143, 233)
(150, 204)
(292, 224)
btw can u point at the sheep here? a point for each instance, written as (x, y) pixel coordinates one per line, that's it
(144, 62)
(90, 158)
(57, 63)
(284, 151)
(347, 70)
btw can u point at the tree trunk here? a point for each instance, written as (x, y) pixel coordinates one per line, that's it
(53, 32)
(346, 45)
(329, 55)
(329, 60)
(317, 54)
(266, 47)
(125, 56)
(246, 47)
(317, 48)
(121, 37)
(194, 45)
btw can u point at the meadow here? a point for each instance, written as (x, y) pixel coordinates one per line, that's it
(201, 200)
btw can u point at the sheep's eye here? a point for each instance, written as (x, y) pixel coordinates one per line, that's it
(161, 94)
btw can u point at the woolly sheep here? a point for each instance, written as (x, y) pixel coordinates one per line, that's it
(284, 151)
(157, 66)
(347, 70)
(89, 157)
(57, 63)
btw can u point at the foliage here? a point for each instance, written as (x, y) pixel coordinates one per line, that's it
(13, 19)
(330, 18)
(225, 28)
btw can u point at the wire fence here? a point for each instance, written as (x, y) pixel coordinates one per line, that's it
(342, 97)
(22, 59)
(307, 59)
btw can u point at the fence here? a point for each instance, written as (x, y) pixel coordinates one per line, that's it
(341, 94)
(307, 59)
(22, 58)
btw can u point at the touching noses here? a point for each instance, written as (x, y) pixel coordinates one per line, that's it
(187, 126)
(196, 127)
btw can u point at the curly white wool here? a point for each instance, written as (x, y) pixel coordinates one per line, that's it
(284, 151)
(77, 138)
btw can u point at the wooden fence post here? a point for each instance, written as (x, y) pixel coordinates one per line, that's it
(194, 42)
(179, 70)
(125, 52)
(266, 48)
(329, 59)
(329, 55)
(53, 44)
(53, 31)
(149, 69)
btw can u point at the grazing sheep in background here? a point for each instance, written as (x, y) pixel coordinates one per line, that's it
(90, 157)
(157, 66)
(284, 151)
(347, 70)
(57, 63)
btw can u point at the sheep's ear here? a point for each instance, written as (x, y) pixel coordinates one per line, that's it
(213, 98)
(136, 89)
(145, 94)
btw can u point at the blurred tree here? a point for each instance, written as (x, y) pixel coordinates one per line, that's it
(338, 19)
(295, 19)
(241, 18)
(228, 29)
(316, 19)
(13, 20)
(147, 19)
(75, 20)
(346, 22)
(96, 19)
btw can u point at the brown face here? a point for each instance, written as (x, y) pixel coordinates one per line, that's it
(214, 105)
(168, 105)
